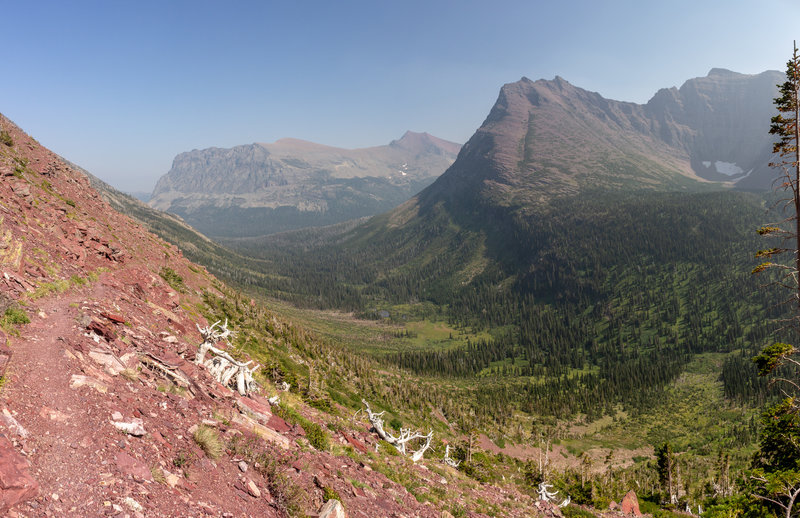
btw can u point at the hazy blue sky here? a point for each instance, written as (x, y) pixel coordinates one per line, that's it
(122, 87)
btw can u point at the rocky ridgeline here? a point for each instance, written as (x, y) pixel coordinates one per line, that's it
(549, 138)
(259, 189)
(103, 411)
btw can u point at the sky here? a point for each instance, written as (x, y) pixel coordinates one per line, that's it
(121, 87)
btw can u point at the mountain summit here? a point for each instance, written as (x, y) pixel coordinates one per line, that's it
(264, 188)
(550, 138)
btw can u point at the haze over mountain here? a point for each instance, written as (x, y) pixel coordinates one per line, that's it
(570, 219)
(546, 139)
(264, 188)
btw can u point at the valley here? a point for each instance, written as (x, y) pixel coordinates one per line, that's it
(570, 302)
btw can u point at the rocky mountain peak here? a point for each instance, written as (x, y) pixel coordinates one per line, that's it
(548, 138)
(259, 189)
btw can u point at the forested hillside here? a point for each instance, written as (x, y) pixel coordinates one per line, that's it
(598, 301)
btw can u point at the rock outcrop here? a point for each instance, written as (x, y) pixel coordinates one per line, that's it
(260, 189)
(548, 138)
(16, 483)
(630, 504)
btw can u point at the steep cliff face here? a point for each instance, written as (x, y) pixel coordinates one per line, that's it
(263, 188)
(722, 121)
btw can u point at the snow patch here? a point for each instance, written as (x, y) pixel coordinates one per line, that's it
(727, 168)
(707, 164)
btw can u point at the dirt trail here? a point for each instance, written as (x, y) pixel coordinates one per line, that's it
(65, 452)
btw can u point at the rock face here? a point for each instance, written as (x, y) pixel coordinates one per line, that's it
(259, 189)
(630, 504)
(16, 483)
(722, 121)
(548, 138)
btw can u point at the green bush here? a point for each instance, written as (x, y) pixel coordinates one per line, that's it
(6, 139)
(13, 317)
(395, 424)
(315, 434)
(573, 511)
(172, 278)
(330, 494)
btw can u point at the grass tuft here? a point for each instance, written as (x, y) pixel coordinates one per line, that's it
(6, 139)
(208, 439)
(172, 278)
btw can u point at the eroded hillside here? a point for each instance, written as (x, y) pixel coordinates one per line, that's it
(104, 411)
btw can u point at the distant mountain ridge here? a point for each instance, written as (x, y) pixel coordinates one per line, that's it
(497, 215)
(548, 138)
(263, 188)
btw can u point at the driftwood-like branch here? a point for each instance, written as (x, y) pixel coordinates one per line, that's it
(222, 366)
(448, 459)
(399, 442)
(172, 373)
(417, 455)
(547, 495)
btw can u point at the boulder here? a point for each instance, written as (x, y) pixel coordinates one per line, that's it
(16, 482)
(332, 509)
(630, 504)
(254, 409)
(133, 467)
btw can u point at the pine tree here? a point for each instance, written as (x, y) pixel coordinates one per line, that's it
(777, 463)
(785, 126)
(665, 464)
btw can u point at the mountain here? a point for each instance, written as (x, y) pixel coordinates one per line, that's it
(547, 139)
(722, 122)
(260, 189)
(104, 410)
(586, 235)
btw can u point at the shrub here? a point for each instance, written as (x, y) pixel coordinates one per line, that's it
(330, 494)
(6, 139)
(183, 458)
(573, 511)
(315, 434)
(289, 497)
(395, 423)
(172, 278)
(13, 317)
(208, 439)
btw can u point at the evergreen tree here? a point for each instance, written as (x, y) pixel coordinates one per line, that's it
(777, 463)
(665, 464)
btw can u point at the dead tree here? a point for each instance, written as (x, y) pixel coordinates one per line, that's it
(547, 495)
(222, 366)
(448, 459)
(399, 442)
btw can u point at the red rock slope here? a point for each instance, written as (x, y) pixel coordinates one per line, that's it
(104, 327)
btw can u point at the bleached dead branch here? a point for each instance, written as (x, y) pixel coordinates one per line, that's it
(448, 459)
(547, 495)
(222, 366)
(399, 442)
